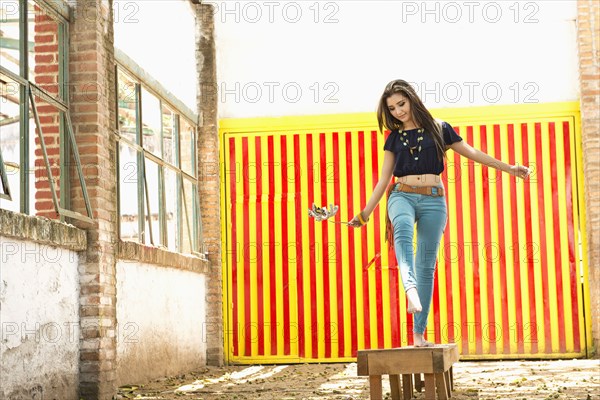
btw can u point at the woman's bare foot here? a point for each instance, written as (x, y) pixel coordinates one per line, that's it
(419, 341)
(414, 303)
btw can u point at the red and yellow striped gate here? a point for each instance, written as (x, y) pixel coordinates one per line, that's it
(512, 273)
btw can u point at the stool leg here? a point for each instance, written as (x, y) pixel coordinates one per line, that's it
(447, 375)
(418, 383)
(440, 384)
(451, 378)
(375, 385)
(395, 386)
(407, 387)
(429, 386)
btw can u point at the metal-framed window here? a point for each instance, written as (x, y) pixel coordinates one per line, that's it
(36, 135)
(157, 167)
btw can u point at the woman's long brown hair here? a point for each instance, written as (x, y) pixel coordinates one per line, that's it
(421, 116)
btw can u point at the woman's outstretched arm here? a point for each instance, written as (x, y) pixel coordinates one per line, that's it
(466, 150)
(389, 160)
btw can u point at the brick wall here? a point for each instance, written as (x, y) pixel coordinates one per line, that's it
(45, 70)
(92, 95)
(210, 180)
(588, 37)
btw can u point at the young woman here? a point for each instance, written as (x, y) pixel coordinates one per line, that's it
(414, 154)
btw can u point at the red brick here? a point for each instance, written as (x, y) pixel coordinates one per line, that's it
(52, 48)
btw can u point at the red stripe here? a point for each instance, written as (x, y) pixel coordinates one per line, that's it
(516, 246)
(351, 254)
(543, 245)
(448, 263)
(259, 250)
(460, 243)
(325, 245)
(285, 247)
(529, 246)
(246, 247)
(234, 244)
(505, 328)
(363, 239)
(313, 249)
(299, 257)
(475, 250)
(488, 257)
(338, 251)
(377, 241)
(272, 232)
(571, 235)
(557, 240)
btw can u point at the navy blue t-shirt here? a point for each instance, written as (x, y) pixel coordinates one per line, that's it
(418, 162)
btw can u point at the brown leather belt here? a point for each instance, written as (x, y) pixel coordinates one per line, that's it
(435, 191)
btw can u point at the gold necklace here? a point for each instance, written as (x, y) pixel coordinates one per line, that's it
(416, 149)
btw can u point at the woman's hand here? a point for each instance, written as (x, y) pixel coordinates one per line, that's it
(520, 171)
(356, 221)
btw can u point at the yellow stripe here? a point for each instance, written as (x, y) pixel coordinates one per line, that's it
(452, 252)
(320, 333)
(551, 244)
(368, 180)
(278, 303)
(529, 325)
(492, 250)
(331, 250)
(264, 179)
(469, 272)
(239, 249)
(293, 242)
(579, 210)
(563, 240)
(250, 247)
(306, 252)
(507, 222)
(358, 238)
(343, 247)
(477, 247)
(226, 261)
(534, 248)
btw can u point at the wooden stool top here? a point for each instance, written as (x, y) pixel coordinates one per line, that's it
(407, 360)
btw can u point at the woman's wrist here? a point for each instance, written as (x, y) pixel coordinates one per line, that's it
(363, 218)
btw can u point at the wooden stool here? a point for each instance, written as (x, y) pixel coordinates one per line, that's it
(434, 362)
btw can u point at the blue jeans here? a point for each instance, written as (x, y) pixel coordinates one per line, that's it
(430, 215)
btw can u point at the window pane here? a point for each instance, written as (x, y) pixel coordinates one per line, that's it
(188, 135)
(151, 122)
(127, 107)
(9, 51)
(41, 202)
(10, 144)
(187, 216)
(128, 193)
(171, 208)
(169, 135)
(43, 49)
(152, 215)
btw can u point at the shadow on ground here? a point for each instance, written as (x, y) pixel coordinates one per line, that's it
(568, 379)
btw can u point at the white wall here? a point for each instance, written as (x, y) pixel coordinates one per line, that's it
(341, 54)
(39, 318)
(160, 315)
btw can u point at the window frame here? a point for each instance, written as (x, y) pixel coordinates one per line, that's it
(189, 220)
(28, 90)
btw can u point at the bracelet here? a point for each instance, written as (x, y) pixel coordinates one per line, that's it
(361, 219)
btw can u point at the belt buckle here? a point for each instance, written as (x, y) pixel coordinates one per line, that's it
(434, 191)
